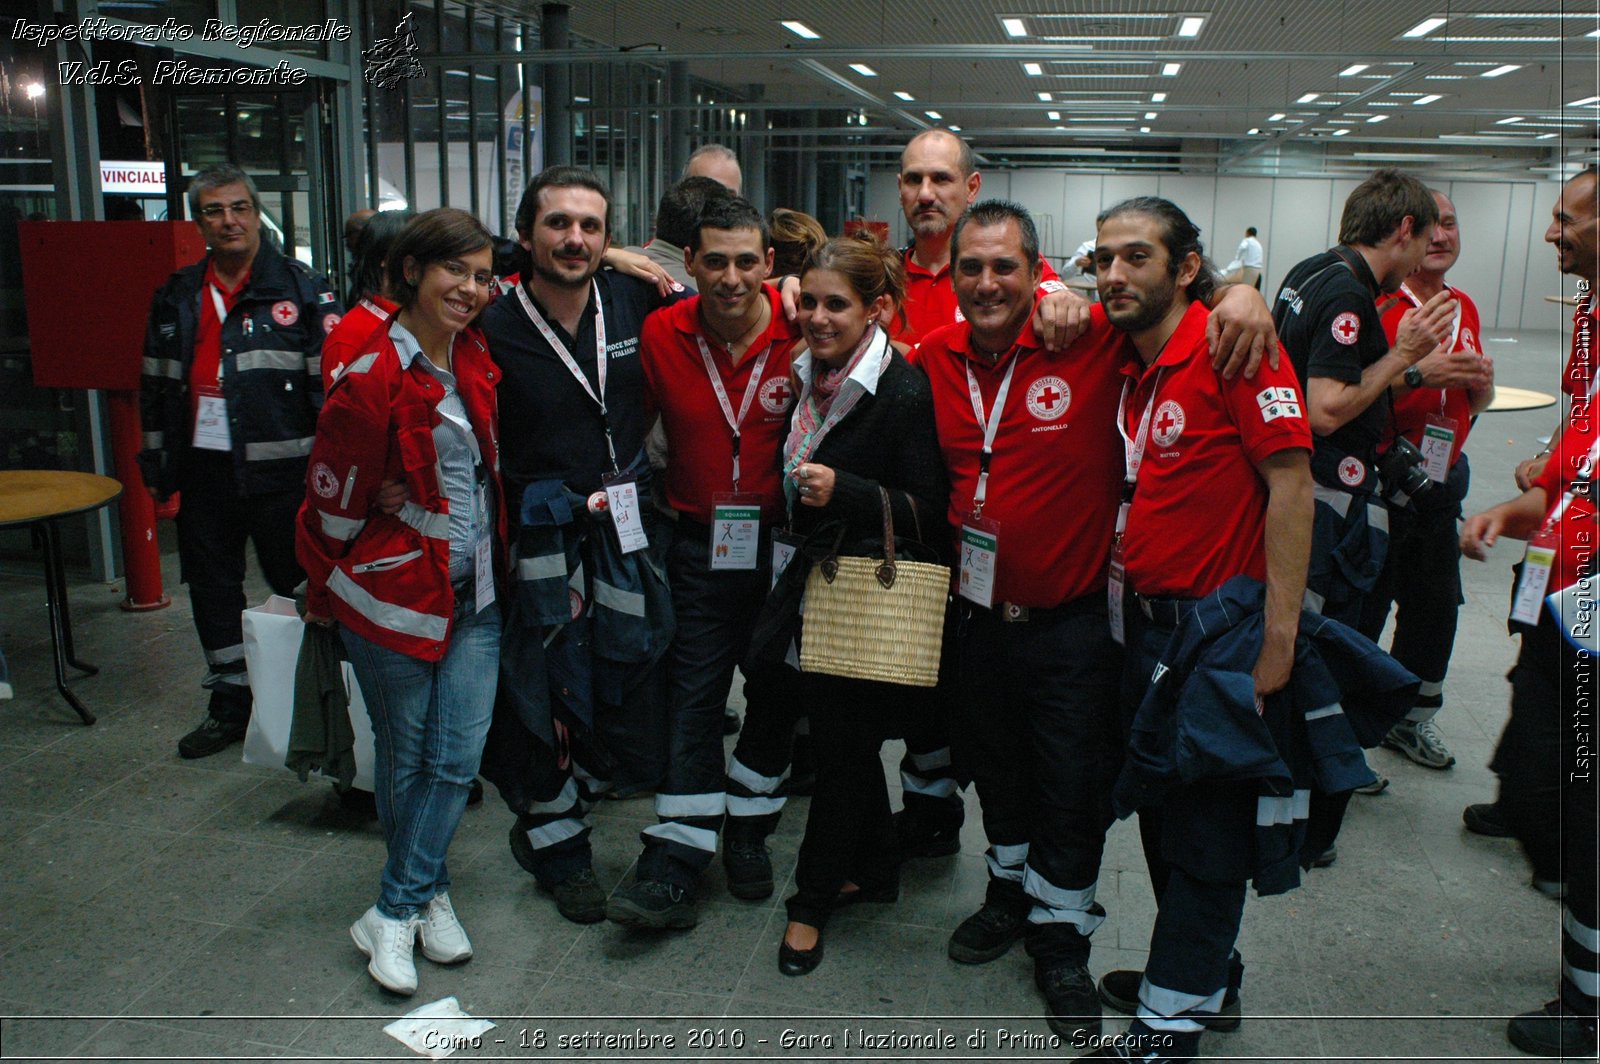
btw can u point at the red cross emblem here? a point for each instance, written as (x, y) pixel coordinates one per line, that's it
(1352, 472)
(1048, 398)
(1346, 328)
(285, 312)
(776, 395)
(1168, 423)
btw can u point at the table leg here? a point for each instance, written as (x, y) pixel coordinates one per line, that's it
(55, 585)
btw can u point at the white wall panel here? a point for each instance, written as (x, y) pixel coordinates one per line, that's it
(1198, 198)
(1043, 193)
(1082, 200)
(1300, 228)
(1482, 213)
(1240, 203)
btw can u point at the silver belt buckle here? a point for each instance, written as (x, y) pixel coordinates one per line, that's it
(1012, 613)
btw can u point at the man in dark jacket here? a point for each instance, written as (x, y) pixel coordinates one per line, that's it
(231, 386)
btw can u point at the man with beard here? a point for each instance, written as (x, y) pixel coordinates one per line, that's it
(572, 412)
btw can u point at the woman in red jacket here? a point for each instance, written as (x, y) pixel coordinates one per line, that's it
(414, 591)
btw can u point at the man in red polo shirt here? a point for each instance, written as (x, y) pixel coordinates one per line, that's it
(1193, 440)
(1434, 405)
(716, 366)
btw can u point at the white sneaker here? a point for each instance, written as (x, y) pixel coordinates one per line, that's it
(389, 943)
(444, 940)
(1419, 741)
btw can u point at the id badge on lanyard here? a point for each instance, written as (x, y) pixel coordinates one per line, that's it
(1116, 587)
(211, 420)
(483, 566)
(1438, 440)
(1537, 563)
(622, 499)
(980, 552)
(1133, 458)
(784, 545)
(735, 531)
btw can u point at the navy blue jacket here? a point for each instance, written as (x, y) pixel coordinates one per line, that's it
(1198, 722)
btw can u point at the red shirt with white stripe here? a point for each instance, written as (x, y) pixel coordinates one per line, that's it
(349, 336)
(1199, 512)
(931, 298)
(1057, 465)
(699, 441)
(1412, 409)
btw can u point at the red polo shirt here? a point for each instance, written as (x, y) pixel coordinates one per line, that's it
(350, 334)
(1199, 512)
(699, 440)
(1053, 480)
(1412, 410)
(931, 298)
(1576, 527)
(1578, 377)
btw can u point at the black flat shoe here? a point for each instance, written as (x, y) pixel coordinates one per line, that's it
(793, 961)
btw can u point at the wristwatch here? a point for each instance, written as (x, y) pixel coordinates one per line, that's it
(1413, 377)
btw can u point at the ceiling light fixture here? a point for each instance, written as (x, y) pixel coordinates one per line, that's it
(902, 94)
(1375, 119)
(1353, 69)
(864, 70)
(1279, 117)
(1033, 70)
(935, 115)
(1425, 27)
(1340, 132)
(1054, 116)
(1045, 97)
(1513, 120)
(1252, 131)
(1014, 27)
(1310, 97)
(1190, 26)
(1144, 129)
(1585, 102)
(1547, 136)
(800, 29)
(1148, 115)
(1500, 70)
(1170, 70)
(1423, 101)
(1158, 97)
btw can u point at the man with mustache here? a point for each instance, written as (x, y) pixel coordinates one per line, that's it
(573, 420)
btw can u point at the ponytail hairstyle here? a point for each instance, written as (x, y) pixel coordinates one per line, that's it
(872, 267)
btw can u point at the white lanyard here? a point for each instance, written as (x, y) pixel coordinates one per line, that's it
(1133, 449)
(750, 390)
(222, 318)
(990, 424)
(567, 360)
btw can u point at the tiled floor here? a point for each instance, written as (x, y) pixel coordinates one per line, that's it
(198, 910)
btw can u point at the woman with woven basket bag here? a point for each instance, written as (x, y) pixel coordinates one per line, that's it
(861, 461)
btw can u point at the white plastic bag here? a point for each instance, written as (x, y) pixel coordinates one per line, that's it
(272, 634)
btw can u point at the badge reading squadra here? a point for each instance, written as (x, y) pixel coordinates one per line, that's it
(323, 481)
(776, 395)
(284, 312)
(1048, 398)
(1346, 328)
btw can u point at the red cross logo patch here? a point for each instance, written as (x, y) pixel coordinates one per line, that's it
(1167, 424)
(575, 602)
(1352, 472)
(776, 395)
(1048, 398)
(1468, 342)
(323, 481)
(1346, 328)
(284, 312)
(328, 323)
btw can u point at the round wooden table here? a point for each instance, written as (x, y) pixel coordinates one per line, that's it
(1518, 399)
(38, 498)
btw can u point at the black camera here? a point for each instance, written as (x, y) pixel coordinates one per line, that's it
(1401, 471)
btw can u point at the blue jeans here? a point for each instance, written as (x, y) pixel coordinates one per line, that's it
(429, 721)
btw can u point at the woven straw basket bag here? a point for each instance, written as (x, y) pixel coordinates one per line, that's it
(870, 619)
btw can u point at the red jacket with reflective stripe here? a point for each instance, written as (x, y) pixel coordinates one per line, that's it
(387, 577)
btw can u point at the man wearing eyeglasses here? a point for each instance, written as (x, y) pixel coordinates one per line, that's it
(231, 386)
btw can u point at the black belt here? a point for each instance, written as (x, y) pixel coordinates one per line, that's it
(1167, 612)
(1015, 613)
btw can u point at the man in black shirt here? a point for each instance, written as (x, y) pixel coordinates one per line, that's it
(572, 415)
(1328, 322)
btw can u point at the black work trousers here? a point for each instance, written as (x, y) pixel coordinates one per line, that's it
(1547, 767)
(1039, 720)
(214, 523)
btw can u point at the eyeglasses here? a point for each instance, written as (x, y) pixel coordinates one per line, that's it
(460, 272)
(241, 209)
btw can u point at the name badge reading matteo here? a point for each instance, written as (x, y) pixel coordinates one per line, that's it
(735, 532)
(980, 548)
(622, 498)
(1438, 439)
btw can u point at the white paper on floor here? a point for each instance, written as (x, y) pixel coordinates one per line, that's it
(438, 1029)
